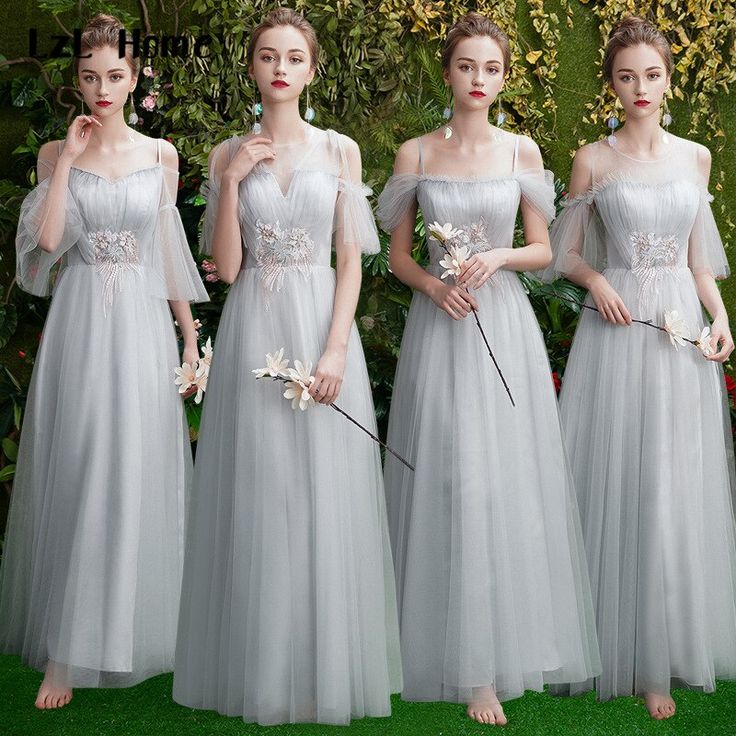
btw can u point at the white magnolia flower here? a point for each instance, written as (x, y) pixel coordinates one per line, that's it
(676, 328)
(186, 375)
(297, 388)
(200, 381)
(705, 342)
(454, 260)
(207, 352)
(276, 366)
(444, 232)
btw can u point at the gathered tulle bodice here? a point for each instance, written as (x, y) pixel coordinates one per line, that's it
(293, 208)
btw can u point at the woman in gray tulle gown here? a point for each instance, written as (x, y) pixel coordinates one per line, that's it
(288, 605)
(91, 569)
(643, 416)
(493, 591)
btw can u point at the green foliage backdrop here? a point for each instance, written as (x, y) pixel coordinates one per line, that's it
(379, 82)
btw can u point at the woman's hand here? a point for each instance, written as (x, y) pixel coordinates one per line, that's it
(720, 333)
(609, 303)
(328, 376)
(478, 269)
(249, 153)
(453, 299)
(190, 355)
(78, 136)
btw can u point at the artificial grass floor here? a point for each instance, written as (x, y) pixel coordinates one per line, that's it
(148, 710)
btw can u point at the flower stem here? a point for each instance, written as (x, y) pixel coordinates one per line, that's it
(646, 323)
(356, 423)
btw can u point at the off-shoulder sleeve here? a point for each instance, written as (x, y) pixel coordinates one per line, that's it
(210, 190)
(174, 273)
(354, 224)
(396, 199)
(538, 189)
(705, 250)
(576, 237)
(36, 269)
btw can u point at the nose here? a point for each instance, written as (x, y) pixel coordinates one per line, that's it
(479, 78)
(102, 88)
(280, 68)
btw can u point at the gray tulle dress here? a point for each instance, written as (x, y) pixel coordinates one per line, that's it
(492, 585)
(93, 553)
(288, 607)
(647, 427)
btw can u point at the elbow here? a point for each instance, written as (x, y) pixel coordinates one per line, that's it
(228, 275)
(47, 245)
(545, 259)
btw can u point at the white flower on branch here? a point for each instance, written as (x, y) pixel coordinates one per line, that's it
(443, 233)
(276, 366)
(454, 260)
(297, 389)
(676, 328)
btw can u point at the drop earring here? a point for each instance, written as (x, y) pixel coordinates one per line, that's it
(446, 115)
(133, 117)
(612, 122)
(666, 122)
(309, 112)
(501, 116)
(257, 110)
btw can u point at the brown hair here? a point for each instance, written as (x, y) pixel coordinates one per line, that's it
(285, 17)
(470, 25)
(101, 32)
(632, 31)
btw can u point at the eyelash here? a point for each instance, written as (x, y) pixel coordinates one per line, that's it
(491, 69)
(268, 59)
(115, 78)
(628, 77)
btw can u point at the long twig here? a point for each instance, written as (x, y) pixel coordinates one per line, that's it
(356, 423)
(645, 322)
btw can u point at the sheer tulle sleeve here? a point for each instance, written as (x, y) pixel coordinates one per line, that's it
(36, 269)
(538, 189)
(576, 237)
(396, 199)
(705, 252)
(174, 273)
(354, 223)
(210, 190)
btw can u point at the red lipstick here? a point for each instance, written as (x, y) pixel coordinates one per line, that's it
(279, 83)
(477, 93)
(641, 103)
(103, 103)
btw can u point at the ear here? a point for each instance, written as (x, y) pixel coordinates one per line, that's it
(251, 73)
(312, 72)
(133, 83)
(446, 77)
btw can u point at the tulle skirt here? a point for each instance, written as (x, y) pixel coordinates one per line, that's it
(94, 547)
(652, 459)
(288, 606)
(490, 568)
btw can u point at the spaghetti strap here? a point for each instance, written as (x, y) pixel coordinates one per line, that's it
(421, 155)
(516, 153)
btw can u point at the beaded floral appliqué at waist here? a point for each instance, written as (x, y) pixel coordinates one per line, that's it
(115, 252)
(653, 255)
(280, 250)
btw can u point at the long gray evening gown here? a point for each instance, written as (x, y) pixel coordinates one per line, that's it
(93, 555)
(644, 423)
(288, 607)
(492, 584)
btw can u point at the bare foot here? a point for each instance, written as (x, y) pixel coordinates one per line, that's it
(51, 694)
(660, 707)
(485, 708)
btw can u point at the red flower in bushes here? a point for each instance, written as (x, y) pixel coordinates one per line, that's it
(556, 380)
(731, 389)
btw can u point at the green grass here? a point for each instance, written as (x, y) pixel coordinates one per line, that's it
(149, 709)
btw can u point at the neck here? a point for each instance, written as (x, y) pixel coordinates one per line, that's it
(282, 123)
(642, 134)
(471, 126)
(114, 132)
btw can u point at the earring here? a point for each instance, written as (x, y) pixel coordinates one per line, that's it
(83, 112)
(447, 114)
(666, 122)
(309, 112)
(133, 117)
(501, 116)
(257, 112)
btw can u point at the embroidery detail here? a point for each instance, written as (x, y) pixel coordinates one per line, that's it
(652, 256)
(474, 237)
(279, 250)
(115, 252)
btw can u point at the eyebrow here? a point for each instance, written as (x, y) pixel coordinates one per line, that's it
(490, 61)
(109, 71)
(648, 69)
(290, 51)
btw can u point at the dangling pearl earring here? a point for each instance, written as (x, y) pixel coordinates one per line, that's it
(309, 112)
(257, 112)
(666, 122)
(133, 117)
(501, 116)
(447, 114)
